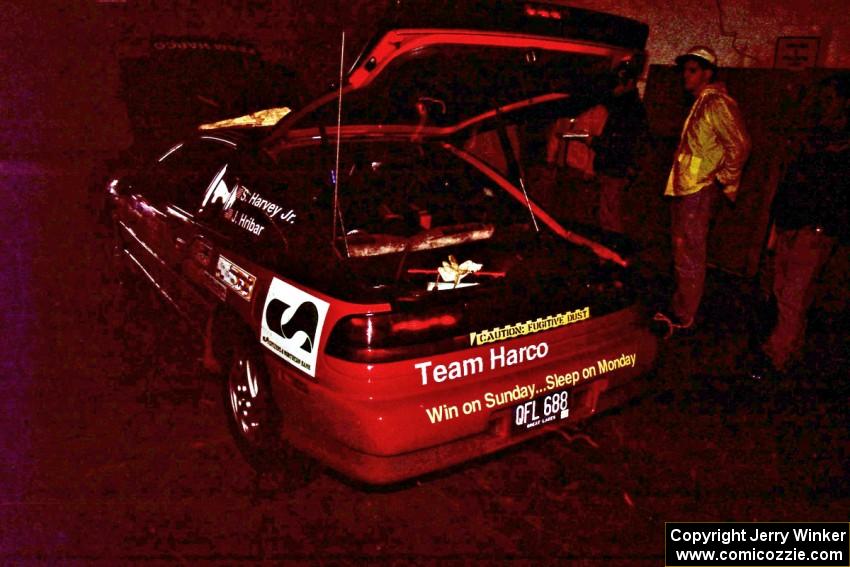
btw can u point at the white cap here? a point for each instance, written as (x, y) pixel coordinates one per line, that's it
(707, 54)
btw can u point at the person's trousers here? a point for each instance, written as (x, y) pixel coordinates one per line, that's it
(690, 217)
(800, 256)
(611, 194)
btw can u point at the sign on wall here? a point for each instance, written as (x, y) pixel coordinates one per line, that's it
(796, 53)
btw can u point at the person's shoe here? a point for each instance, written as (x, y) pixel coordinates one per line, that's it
(661, 326)
(665, 326)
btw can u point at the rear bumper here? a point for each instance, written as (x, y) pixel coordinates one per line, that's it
(381, 469)
(371, 422)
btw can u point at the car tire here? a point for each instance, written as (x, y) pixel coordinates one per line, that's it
(253, 416)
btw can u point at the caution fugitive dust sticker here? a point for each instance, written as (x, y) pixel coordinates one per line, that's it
(528, 327)
(292, 324)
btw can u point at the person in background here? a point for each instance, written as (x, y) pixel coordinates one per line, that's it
(620, 146)
(570, 175)
(570, 142)
(712, 150)
(811, 217)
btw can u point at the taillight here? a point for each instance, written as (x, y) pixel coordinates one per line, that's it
(543, 11)
(383, 337)
(418, 324)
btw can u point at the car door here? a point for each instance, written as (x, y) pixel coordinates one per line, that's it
(175, 192)
(139, 220)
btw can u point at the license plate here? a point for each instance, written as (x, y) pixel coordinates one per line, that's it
(549, 408)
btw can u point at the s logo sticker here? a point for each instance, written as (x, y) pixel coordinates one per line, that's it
(304, 320)
(292, 325)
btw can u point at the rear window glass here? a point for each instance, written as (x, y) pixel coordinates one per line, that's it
(392, 197)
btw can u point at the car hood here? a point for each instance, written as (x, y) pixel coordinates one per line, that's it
(441, 64)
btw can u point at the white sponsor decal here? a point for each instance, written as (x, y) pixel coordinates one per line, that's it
(218, 191)
(234, 277)
(245, 221)
(292, 325)
(500, 357)
(270, 208)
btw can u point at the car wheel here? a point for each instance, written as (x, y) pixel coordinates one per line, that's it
(252, 414)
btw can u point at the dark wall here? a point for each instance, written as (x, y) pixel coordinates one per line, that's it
(60, 60)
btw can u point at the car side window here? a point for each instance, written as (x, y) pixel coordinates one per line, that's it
(182, 175)
(269, 209)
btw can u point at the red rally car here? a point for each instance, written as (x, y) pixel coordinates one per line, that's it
(373, 278)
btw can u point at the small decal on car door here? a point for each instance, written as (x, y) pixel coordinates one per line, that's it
(238, 279)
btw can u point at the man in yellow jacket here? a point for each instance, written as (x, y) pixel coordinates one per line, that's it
(708, 161)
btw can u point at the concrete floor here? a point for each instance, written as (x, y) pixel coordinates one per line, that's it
(112, 452)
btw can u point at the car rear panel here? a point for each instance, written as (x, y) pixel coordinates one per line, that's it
(378, 414)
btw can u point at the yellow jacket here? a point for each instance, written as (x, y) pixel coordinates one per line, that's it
(714, 146)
